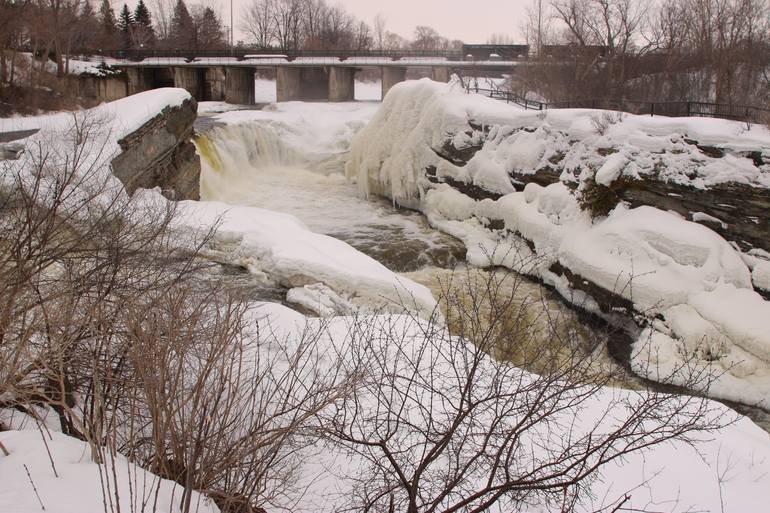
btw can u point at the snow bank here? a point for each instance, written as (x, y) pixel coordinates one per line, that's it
(672, 477)
(81, 484)
(673, 273)
(122, 116)
(280, 247)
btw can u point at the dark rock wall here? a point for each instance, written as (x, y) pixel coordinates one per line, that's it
(161, 154)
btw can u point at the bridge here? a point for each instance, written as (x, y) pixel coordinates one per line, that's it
(228, 75)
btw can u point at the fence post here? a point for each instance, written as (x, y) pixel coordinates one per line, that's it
(652, 109)
(593, 103)
(688, 109)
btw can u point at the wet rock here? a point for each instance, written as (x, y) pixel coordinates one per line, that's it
(161, 154)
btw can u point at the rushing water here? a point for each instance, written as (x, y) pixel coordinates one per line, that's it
(250, 165)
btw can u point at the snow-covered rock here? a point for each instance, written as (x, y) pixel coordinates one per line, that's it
(144, 140)
(280, 247)
(431, 143)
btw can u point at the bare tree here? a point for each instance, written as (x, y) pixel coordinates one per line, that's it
(258, 23)
(442, 426)
(380, 24)
(110, 321)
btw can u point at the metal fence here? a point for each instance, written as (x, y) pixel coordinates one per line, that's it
(745, 113)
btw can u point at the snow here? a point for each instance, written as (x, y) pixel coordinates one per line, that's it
(417, 116)
(760, 275)
(725, 471)
(95, 133)
(122, 117)
(390, 153)
(683, 274)
(81, 484)
(686, 282)
(702, 217)
(611, 169)
(283, 248)
(653, 258)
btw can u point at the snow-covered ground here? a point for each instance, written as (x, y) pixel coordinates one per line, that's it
(59, 475)
(728, 470)
(693, 289)
(682, 273)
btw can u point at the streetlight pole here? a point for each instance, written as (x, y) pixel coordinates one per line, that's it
(231, 24)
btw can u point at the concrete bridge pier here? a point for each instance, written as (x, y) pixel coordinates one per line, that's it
(441, 74)
(392, 75)
(342, 86)
(288, 83)
(191, 79)
(215, 83)
(294, 83)
(140, 79)
(239, 86)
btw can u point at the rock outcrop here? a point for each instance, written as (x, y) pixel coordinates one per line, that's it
(161, 154)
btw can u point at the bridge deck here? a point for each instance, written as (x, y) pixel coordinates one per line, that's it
(272, 60)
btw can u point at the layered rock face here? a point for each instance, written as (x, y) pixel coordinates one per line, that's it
(160, 153)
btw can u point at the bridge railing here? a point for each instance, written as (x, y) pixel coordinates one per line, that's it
(745, 113)
(139, 55)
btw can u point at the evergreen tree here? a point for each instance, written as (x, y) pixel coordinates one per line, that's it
(143, 35)
(108, 25)
(142, 15)
(125, 25)
(182, 31)
(210, 33)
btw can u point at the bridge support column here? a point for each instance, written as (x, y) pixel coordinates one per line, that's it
(294, 83)
(288, 82)
(342, 85)
(239, 86)
(191, 79)
(440, 74)
(215, 83)
(140, 79)
(391, 75)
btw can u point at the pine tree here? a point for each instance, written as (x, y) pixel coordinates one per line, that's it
(210, 34)
(142, 15)
(182, 31)
(108, 26)
(125, 25)
(143, 35)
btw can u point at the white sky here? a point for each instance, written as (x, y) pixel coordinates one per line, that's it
(473, 21)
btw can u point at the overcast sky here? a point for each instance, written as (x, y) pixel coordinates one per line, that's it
(473, 21)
